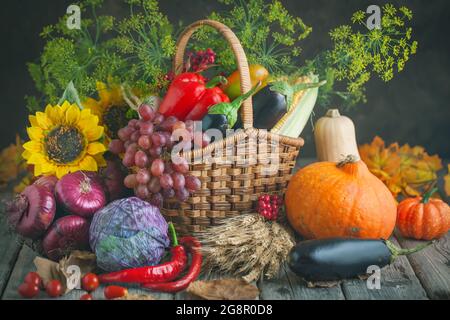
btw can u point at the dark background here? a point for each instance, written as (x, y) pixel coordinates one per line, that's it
(413, 108)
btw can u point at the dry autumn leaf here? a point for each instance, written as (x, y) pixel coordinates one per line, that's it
(447, 181)
(223, 289)
(407, 170)
(11, 162)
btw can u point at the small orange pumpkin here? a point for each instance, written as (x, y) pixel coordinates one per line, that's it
(326, 200)
(423, 218)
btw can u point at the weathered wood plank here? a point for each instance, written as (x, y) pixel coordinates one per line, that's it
(25, 264)
(432, 266)
(398, 282)
(287, 286)
(9, 248)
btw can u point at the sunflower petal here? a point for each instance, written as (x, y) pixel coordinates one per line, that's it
(94, 133)
(72, 115)
(94, 106)
(88, 164)
(37, 170)
(35, 133)
(43, 121)
(33, 146)
(33, 121)
(47, 167)
(26, 154)
(36, 158)
(103, 93)
(61, 171)
(101, 162)
(95, 148)
(53, 113)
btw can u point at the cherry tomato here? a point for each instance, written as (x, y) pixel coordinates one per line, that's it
(114, 292)
(54, 288)
(90, 282)
(33, 278)
(86, 296)
(28, 290)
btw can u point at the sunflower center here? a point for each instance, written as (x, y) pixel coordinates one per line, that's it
(115, 118)
(64, 144)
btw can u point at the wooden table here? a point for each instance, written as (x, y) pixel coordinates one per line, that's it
(423, 275)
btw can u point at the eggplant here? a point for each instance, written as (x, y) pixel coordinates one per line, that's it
(216, 121)
(340, 258)
(268, 108)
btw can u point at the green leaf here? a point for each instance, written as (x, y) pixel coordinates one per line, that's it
(70, 95)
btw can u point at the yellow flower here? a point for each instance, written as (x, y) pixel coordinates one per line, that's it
(64, 139)
(111, 109)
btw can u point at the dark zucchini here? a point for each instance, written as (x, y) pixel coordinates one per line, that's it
(269, 107)
(338, 259)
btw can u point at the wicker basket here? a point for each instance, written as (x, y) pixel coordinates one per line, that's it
(232, 187)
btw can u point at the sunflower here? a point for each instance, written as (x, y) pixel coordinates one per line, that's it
(111, 109)
(64, 139)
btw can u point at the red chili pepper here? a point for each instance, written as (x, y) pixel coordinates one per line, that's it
(192, 274)
(186, 91)
(153, 274)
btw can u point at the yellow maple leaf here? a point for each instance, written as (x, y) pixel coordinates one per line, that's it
(404, 169)
(11, 162)
(447, 181)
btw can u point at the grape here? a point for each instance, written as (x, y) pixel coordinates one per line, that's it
(166, 181)
(125, 133)
(132, 123)
(146, 128)
(143, 176)
(141, 159)
(116, 146)
(168, 137)
(157, 200)
(154, 185)
(158, 139)
(168, 168)
(181, 166)
(178, 125)
(178, 180)
(146, 112)
(182, 194)
(128, 160)
(158, 119)
(192, 183)
(142, 192)
(157, 168)
(132, 148)
(167, 125)
(168, 193)
(144, 142)
(130, 181)
(135, 136)
(155, 151)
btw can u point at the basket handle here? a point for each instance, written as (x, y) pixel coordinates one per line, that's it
(241, 59)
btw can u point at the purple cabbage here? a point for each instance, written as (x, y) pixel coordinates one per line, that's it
(128, 233)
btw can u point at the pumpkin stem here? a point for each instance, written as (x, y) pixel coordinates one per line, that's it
(427, 196)
(348, 159)
(333, 113)
(396, 251)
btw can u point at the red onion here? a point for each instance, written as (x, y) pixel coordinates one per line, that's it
(112, 176)
(48, 182)
(31, 212)
(66, 234)
(81, 193)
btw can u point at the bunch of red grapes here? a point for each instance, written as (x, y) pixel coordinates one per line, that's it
(200, 60)
(146, 144)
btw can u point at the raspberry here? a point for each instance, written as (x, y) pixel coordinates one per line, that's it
(268, 206)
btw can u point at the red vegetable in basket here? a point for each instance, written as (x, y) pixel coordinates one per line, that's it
(192, 274)
(81, 193)
(187, 93)
(54, 289)
(90, 282)
(31, 212)
(33, 278)
(66, 234)
(48, 182)
(153, 274)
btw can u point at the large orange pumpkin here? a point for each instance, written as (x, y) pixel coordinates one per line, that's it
(326, 199)
(423, 218)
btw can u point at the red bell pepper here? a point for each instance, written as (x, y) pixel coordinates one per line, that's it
(189, 97)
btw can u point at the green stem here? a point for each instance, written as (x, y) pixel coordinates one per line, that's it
(216, 81)
(396, 251)
(427, 196)
(173, 234)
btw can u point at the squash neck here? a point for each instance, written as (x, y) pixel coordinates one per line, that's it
(333, 113)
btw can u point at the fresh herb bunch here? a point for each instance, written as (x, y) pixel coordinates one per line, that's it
(269, 35)
(73, 55)
(135, 51)
(358, 53)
